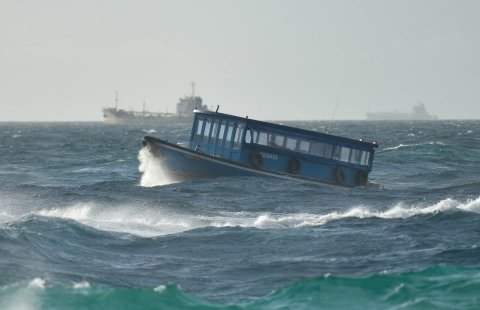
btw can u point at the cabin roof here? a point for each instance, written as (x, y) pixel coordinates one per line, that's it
(285, 129)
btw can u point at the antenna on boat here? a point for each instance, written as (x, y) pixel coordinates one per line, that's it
(331, 119)
(218, 106)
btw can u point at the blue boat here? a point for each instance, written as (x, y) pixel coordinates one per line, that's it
(227, 145)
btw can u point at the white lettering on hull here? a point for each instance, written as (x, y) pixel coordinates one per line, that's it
(269, 156)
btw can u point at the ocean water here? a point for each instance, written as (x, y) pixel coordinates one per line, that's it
(88, 220)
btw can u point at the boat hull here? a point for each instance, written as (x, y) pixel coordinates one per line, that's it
(181, 163)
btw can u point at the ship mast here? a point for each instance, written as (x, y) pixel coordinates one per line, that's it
(116, 100)
(193, 89)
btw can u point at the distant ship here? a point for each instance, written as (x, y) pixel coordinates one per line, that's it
(185, 107)
(419, 113)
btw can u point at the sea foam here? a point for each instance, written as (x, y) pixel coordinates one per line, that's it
(20, 297)
(81, 285)
(37, 283)
(155, 221)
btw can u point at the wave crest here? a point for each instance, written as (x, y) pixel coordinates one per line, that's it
(154, 221)
(401, 146)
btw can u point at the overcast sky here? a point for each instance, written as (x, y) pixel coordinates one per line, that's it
(63, 60)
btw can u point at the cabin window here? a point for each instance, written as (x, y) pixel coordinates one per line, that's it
(365, 158)
(206, 131)
(318, 148)
(321, 149)
(221, 134)
(275, 140)
(336, 152)
(328, 151)
(345, 154)
(214, 132)
(262, 138)
(199, 128)
(304, 146)
(228, 137)
(356, 156)
(248, 136)
(291, 143)
(254, 136)
(238, 137)
(279, 140)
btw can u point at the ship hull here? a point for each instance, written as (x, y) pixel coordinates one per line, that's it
(112, 116)
(182, 164)
(159, 120)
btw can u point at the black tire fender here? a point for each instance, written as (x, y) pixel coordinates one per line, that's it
(339, 176)
(294, 166)
(256, 160)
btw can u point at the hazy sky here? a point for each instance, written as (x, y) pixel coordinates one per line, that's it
(64, 60)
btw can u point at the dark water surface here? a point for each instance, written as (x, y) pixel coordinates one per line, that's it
(82, 227)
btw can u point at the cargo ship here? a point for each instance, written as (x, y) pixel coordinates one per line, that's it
(419, 113)
(184, 112)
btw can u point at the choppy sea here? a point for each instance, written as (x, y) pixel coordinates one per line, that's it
(89, 221)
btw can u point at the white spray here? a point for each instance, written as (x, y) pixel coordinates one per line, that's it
(152, 171)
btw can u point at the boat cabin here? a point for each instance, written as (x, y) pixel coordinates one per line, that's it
(269, 147)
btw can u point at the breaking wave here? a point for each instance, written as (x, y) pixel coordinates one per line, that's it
(401, 146)
(149, 221)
